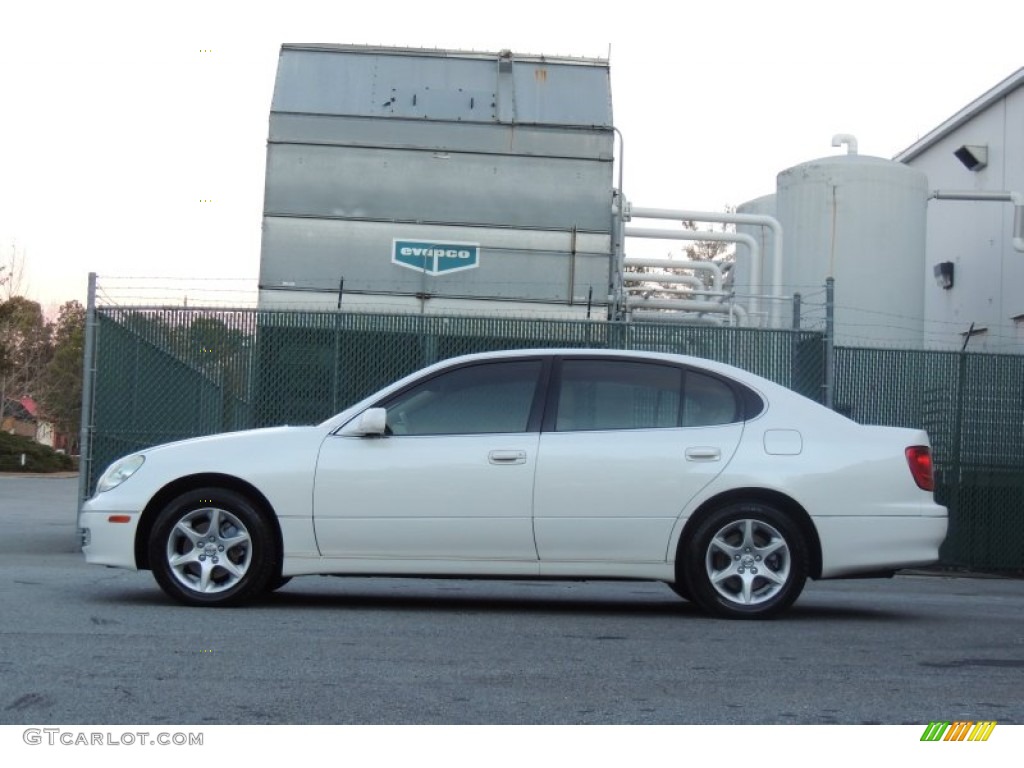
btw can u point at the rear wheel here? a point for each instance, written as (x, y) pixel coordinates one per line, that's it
(212, 546)
(747, 560)
(679, 587)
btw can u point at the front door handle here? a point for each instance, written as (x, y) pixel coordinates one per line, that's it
(703, 453)
(507, 457)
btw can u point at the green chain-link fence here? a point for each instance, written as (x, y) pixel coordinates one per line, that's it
(972, 406)
(169, 374)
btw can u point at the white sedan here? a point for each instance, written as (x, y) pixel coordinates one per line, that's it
(548, 464)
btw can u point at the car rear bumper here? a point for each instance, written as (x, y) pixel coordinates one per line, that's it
(857, 545)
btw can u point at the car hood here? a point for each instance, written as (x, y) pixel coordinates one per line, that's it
(228, 440)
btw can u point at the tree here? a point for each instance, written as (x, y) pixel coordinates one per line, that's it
(61, 394)
(12, 274)
(709, 250)
(6, 354)
(25, 347)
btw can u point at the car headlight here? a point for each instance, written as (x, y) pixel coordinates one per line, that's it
(119, 471)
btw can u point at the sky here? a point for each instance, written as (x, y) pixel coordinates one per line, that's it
(133, 135)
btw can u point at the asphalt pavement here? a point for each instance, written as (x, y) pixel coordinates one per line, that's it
(85, 644)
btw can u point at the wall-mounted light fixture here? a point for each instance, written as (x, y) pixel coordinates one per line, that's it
(973, 156)
(944, 274)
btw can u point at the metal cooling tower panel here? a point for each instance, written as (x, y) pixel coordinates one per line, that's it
(372, 146)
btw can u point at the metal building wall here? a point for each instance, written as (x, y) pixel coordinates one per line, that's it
(976, 236)
(372, 145)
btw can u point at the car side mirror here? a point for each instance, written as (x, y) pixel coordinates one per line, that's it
(371, 422)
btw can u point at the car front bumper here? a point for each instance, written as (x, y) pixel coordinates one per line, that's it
(108, 538)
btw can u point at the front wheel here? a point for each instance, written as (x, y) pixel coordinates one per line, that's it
(212, 546)
(745, 561)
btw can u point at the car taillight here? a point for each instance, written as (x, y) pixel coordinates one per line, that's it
(919, 457)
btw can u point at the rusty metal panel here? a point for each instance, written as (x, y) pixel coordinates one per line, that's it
(566, 95)
(442, 85)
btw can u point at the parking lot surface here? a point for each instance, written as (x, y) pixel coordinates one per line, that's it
(84, 644)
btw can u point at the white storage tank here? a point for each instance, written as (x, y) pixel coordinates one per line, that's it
(860, 220)
(765, 238)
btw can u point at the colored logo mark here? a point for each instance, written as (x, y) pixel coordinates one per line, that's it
(961, 730)
(435, 258)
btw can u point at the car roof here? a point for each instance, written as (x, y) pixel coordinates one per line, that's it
(669, 357)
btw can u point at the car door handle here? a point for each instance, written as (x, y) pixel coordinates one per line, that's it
(703, 453)
(507, 457)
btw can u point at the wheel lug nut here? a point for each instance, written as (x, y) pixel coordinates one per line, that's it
(737, 557)
(202, 557)
(216, 560)
(221, 549)
(752, 570)
(758, 558)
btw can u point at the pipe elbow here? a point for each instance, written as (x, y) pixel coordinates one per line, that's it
(848, 139)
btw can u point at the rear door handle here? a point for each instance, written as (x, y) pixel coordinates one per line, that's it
(507, 457)
(703, 453)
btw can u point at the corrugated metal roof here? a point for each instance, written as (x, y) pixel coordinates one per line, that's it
(976, 107)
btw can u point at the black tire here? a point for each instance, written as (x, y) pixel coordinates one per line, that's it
(277, 583)
(680, 588)
(212, 547)
(746, 561)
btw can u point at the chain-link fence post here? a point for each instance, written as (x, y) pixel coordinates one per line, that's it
(830, 357)
(88, 398)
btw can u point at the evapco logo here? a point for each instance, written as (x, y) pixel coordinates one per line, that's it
(961, 730)
(435, 257)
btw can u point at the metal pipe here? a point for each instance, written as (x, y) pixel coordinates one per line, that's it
(848, 139)
(683, 317)
(1017, 198)
(687, 306)
(727, 237)
(618, 225)
(754, 219)
(645, 277)
(708, 266)
(703, 295)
